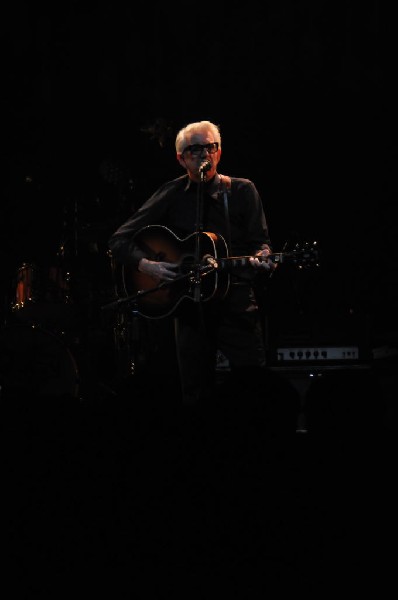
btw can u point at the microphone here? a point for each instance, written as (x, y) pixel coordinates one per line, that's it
(210, 260)
(205, 166)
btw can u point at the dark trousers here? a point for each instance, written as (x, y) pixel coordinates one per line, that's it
(201, 329)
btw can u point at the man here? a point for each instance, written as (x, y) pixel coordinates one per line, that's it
(179, 246)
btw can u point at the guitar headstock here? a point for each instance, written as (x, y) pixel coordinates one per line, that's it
(307, 255)
(303, 256)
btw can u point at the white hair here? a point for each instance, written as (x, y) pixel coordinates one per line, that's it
(198, 127)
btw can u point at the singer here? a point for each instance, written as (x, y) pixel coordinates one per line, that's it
(231, 208)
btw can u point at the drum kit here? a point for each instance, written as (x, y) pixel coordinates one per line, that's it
(55, 339)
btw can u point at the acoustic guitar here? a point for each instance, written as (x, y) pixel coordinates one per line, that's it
(204, 279)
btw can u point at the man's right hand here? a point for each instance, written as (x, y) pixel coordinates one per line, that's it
(163, 271)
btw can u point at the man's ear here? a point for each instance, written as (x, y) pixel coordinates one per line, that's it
(181, 160)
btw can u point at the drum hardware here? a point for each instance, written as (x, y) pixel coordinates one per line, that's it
(124, 339)
(42, 295)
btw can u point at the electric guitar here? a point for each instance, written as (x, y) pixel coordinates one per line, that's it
(201, 280)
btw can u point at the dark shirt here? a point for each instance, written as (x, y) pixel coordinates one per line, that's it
(175, 205)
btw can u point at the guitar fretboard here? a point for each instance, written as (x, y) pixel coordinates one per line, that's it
(300, 257)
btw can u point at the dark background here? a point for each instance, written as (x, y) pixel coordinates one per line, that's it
(111, 493)
(95, 93)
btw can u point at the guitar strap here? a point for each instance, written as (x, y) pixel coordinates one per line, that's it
(224, 189)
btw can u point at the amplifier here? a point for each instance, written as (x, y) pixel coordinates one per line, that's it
(316, 353)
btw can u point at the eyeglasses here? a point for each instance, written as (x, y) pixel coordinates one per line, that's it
(197, 149)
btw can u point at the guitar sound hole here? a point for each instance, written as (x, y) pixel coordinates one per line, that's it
(186, 264)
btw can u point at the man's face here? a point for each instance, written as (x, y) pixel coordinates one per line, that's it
(201, 147)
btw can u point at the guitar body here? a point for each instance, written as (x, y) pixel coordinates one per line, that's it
(152, 298)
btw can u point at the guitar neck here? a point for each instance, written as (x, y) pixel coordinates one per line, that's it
(301, 257)
(243, 261)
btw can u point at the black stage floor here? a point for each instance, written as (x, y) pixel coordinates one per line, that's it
(119, 492)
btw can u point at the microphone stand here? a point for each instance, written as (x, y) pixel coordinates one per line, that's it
(134, 297)
(198, 231)
(199, 270)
